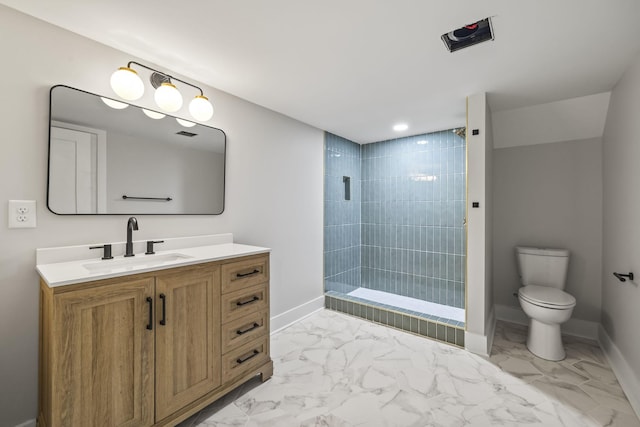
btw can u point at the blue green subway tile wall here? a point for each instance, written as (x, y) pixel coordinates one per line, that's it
(341, 217)
(408, 201)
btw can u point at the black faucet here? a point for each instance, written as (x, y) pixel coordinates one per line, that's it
(132, 224)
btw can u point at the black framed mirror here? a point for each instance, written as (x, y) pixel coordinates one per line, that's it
(108, 157)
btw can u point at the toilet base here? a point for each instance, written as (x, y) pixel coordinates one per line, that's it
(545, 340)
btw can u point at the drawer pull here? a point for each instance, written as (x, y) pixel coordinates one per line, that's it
(255, 271)
(163, 321)
(249, 301)
(150, 302)
(249, 329)
(251, 356)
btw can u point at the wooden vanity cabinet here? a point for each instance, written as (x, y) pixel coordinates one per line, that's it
(187, 337)
(96, 355)
(150, 349)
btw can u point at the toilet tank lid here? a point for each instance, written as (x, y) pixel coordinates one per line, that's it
(542, 251)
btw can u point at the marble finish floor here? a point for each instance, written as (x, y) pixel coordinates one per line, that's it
(331, 369)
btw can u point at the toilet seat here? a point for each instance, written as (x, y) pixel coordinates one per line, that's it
(545, 296)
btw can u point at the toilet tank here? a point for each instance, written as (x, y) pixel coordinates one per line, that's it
(543, 267)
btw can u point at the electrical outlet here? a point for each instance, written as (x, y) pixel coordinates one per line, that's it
(22, 214)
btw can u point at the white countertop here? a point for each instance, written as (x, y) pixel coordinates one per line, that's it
(75, 271)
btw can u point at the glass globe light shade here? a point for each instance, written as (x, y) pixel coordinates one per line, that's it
(185, 123)
(168, 97)
(126, 83)
(200, 108)
(153, 114)
(117, 105)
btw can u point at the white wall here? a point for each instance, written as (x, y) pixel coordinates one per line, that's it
(550, 195)
(192, 177)
(566, 120)
(273, 193)
(621, 231)
(480, 320)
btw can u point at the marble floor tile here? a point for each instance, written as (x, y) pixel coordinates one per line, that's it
(331, 369)
(612, 418)
(595, 371)
(608, 396)
(559, 371)
(565, 393)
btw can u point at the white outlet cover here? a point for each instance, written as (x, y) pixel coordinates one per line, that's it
(22, 214)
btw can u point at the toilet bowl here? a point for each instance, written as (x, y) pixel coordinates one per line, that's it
(547, 309)
(543, 275)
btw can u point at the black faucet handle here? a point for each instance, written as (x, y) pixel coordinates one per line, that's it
(107, 250)
(150, 246)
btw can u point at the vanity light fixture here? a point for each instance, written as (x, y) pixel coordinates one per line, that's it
(168, 97)
(117, 105)
(185, 123)
(153, 114)
(127, 84)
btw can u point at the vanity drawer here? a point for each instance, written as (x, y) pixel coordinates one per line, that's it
(251, 355)
(245, 273)
(243, 302)
(241, 331)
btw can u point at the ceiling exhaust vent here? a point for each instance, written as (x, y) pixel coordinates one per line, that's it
(468, 35)
(185, 133)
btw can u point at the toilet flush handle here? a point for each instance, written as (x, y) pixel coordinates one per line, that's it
(621, 277)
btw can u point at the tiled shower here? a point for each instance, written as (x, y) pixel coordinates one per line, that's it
(394, 235)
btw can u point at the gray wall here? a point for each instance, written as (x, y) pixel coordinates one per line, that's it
(489, 278)
(274, 190)
(550, 195)
(183, 173)
(621, 249)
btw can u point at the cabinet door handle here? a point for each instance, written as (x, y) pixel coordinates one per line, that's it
(150, 324)
(255, 271)
(252, 355)
(249, 301)
(163, 321)
(249, 329)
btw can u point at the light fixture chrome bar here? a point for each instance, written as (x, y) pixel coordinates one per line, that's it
(165, 74)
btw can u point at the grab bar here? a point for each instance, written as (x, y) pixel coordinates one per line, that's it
(166, 199)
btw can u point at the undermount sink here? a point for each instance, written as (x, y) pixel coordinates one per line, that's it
(141, 261)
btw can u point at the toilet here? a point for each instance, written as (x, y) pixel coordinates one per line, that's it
(543, 274)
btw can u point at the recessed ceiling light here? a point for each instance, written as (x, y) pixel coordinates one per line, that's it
(400, 127)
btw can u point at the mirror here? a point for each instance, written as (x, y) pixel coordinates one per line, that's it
(119, 160)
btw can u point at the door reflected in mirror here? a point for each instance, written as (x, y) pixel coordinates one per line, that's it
(110, 157)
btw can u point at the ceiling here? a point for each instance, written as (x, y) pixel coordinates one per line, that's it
(357, 67)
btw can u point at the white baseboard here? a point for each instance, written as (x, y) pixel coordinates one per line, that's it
(626, 377)
(491, 329)
(575, 327)
(295, 314)
(478, 343)
(28, 423)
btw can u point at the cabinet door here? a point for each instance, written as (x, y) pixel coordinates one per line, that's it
(104, 355)
(187, 337)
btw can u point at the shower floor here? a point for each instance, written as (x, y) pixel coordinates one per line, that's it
(411, 304)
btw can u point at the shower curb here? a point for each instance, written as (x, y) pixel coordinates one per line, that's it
(435, 330)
